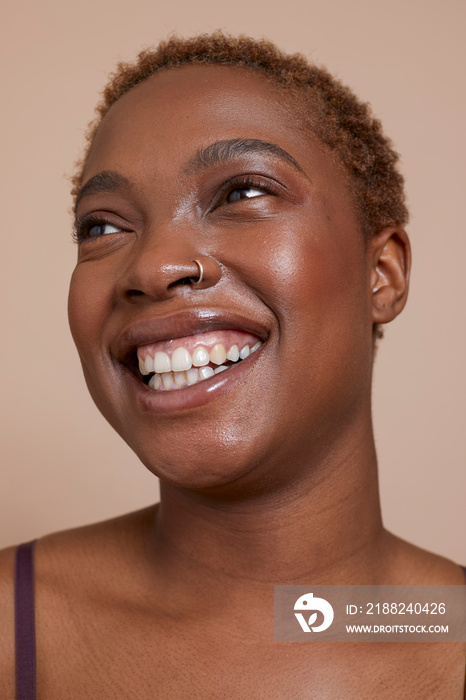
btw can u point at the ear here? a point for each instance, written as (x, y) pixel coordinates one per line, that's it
(390, 253)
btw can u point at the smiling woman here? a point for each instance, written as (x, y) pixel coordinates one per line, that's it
(239, 221)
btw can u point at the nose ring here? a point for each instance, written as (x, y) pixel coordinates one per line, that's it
(201, 273)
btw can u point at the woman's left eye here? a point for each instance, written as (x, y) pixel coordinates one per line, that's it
(244, 193)
(101, 229)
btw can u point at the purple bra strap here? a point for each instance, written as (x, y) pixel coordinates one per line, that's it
(25, 633)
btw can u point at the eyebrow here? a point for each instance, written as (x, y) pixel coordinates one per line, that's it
(106, 181)
(222, 151)
(213, 154)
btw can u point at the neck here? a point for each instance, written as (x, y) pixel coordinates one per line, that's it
(325, 528)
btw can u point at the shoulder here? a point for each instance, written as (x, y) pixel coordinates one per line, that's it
(85, 565)
(412, 565)
(70, 567)
(7, 623)
(409, 564)
(92, 552)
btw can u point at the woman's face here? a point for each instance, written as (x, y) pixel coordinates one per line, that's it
(284, 264)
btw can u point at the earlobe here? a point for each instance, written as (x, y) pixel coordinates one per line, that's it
(391, 264)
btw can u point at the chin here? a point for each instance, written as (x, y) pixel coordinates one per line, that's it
(215, 468)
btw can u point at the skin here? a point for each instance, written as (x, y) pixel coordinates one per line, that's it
(273, 478)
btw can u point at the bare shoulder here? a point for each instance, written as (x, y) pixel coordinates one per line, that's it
(410, 564)
(93, 549)
(69, 565)
(7, 623)
(79, 568)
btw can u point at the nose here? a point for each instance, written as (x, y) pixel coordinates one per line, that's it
(159, 271)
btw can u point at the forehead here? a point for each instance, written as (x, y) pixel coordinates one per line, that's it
(153, 131)
(181, 108)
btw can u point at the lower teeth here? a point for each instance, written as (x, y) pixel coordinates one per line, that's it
(178, 380)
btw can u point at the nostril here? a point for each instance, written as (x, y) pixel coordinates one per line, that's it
(183, 280)
(153, 278)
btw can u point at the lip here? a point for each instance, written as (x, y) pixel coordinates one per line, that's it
(180, 325)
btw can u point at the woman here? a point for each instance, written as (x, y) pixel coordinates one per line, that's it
(239, 220)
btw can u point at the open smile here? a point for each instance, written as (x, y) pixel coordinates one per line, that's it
(182, 362)
(198, 352)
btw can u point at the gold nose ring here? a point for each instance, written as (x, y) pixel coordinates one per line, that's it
(201, 273)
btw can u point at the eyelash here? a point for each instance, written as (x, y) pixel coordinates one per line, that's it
(243, 182)
(84, 223)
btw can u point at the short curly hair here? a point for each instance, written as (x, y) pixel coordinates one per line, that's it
(332, 112)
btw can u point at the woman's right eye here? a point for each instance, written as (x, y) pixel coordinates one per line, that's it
(89, 228)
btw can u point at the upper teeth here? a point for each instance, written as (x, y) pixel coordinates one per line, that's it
(181, 360)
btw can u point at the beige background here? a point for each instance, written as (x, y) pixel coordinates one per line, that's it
(61, 464)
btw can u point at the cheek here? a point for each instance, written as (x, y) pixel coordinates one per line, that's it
(86, 307)
(89, 305)
(315, 281)
(310, 270)
(330, 279)
(330, 292)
